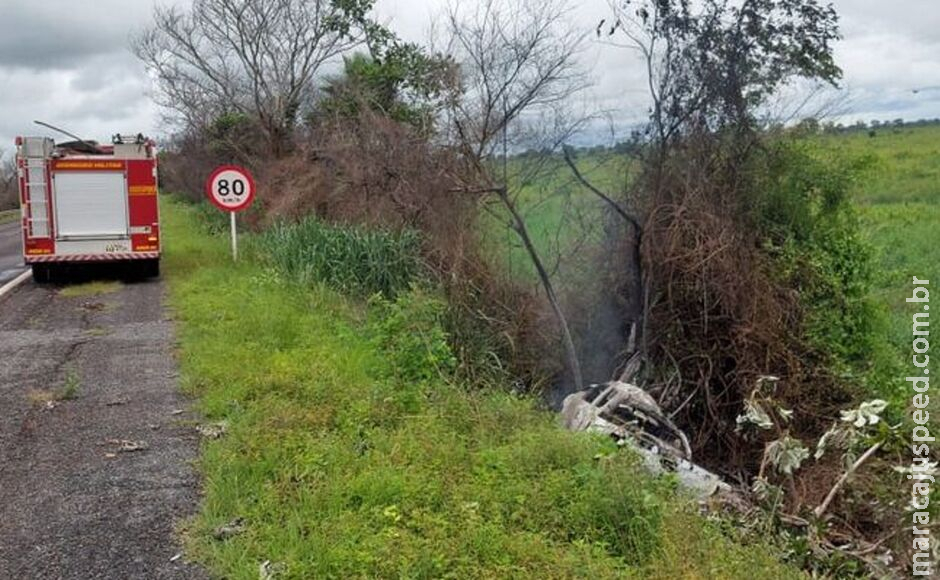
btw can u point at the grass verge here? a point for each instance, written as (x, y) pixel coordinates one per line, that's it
(336, 467)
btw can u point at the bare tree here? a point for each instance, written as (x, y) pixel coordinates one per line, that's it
(519, 66)
(256, 57)
(9, 193)
(516, 58)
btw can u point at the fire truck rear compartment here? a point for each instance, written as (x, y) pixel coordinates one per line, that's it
(91, 205)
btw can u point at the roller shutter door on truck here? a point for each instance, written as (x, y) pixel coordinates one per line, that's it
(90, 204)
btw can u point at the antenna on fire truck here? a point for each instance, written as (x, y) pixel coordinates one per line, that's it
(91, 146)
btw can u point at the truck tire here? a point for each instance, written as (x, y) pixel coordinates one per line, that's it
(150, 268)
(42, 273)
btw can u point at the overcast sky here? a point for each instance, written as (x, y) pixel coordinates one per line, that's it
(66, 62)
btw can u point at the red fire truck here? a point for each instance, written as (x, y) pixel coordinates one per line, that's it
(88, 203)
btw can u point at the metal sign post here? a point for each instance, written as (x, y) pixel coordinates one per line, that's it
(232, 189)
(234, 238)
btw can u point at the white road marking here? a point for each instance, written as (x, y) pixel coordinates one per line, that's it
(9, 286)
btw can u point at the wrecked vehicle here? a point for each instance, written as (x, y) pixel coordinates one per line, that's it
(631, 416)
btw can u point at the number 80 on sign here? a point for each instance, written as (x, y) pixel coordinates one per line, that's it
(230, 188)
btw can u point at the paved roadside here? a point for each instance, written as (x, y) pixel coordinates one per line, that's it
(11, 252)
(73, 503)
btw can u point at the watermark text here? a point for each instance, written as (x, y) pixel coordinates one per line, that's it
(921, 471)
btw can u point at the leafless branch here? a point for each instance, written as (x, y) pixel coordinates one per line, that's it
(821, 509)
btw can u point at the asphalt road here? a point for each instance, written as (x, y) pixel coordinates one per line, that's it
(92, 486)
(11, 252)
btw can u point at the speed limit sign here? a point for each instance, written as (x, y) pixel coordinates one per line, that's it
(230, 188)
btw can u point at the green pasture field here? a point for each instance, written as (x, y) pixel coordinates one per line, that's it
(565, 220)
(899, 204)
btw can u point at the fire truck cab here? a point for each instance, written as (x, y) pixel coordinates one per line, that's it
(88, 203)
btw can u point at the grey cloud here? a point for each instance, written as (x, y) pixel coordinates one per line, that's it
(67, 61)
(57, 34)
(105, 70)
(918, 20)
(888, 46)
(95, 114)
(891, 104)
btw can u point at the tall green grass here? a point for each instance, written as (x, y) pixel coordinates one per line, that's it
(349, 259)
(348, 459)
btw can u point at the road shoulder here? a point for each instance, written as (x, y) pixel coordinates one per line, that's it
(96, 445)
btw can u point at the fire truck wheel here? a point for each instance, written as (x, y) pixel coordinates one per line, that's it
(150, 268)
(42, 273)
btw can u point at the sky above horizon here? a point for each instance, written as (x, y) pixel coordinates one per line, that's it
(72, 67)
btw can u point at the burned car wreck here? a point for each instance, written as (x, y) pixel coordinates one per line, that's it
(631, 416)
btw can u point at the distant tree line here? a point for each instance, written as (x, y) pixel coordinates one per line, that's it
(806, 126)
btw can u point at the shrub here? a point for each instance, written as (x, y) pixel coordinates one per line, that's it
(812, 232)
(409, 331)
(212, 219)
(187, 158)
(758, 267)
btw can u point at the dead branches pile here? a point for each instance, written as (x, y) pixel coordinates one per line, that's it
(719, 316)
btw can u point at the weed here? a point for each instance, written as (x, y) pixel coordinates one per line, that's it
(96, 288)
(409, 330)
(67, 391)
(70, 386)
